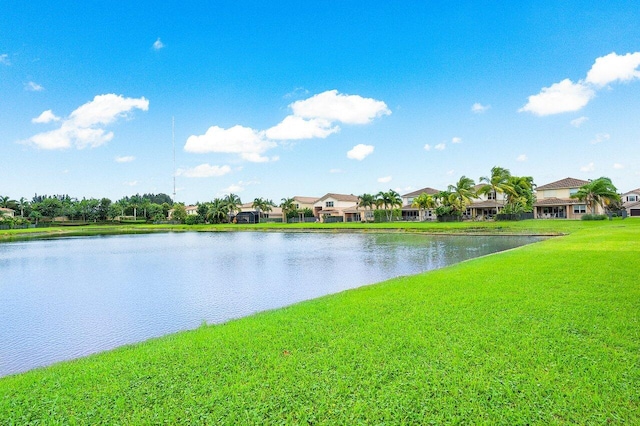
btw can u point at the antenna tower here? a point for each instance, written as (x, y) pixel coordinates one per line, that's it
(173, 139)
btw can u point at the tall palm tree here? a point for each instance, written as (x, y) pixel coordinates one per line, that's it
(461, 194)
(22, 204)
(497, 183)
(424, 202)
(287, 205)
(597, 192)
(262, 205)
(522, 194)
(366, 200)
(233, 204)
(389, 200)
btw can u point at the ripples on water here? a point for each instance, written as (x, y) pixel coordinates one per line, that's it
(66, 298)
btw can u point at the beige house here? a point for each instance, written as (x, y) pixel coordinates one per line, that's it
(631, 202)
(553, 200)
(413, 213)
(485, 206)
(275, 213)
(331, 208)
(302, 203)
(7, 212)
(191, 210)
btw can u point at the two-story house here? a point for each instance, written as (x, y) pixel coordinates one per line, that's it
(337, 208)
(631, 202)
(553, 200)
(413, 213)
(485, 205)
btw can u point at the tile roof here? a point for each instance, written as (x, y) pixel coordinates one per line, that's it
(563, 183)
(426, 190)
(305, 200)
(340, 197)
(634, 191)
(552, 201)
(485, 203)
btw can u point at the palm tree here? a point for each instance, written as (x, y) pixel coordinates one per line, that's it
(597, 192)
(424, 202)
(7, 202)
(262, 205)
(522, 194)
(366, 200)
(233, 204)
(497, 183)
(461, 194)
(287, 205)
(389, 200)
(217, 211)
(22, 204)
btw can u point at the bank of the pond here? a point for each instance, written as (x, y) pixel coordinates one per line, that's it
(544, 334)
(527, 227)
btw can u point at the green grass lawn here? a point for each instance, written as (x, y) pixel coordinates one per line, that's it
(544, 334)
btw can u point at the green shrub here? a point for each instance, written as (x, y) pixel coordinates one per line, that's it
(590, 216)
(193, 219)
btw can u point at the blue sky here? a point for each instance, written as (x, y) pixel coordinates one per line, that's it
(276, 99)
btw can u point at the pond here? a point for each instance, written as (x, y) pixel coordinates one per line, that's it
(66, 298)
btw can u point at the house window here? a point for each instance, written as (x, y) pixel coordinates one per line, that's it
(579, 209)
(491, 195)
(632, 198)
(328, 204)
(573, 191)
(298, 206)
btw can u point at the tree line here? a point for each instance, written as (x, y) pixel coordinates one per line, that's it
(49, 207)
(518, 197)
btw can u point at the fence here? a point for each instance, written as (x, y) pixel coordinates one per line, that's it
(514, 216)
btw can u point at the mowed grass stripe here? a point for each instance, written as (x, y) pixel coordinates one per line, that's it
(544, 334)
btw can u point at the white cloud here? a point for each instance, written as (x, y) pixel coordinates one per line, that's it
(248, 143)
(600, 137)
(84, 126)
(384, 179)
(450, 172)
(613, 67)
(33, 87)
(336, 171)
(579, 121)
(125, 159)
(427, 147)
(46, 117)
(618, 166)
(568, 96)
(588, 168)
(157, 45)
(203, 171)
(560, 97)
(478, 108)
(440, 147)
(521, 157)
(294, 127)
(235, 188)
(314, 117)
(334, 106)
(4, 59)
(456, 140)
(131, 183)
(360, 152)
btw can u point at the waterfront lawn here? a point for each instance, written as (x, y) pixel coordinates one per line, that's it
(543, 334)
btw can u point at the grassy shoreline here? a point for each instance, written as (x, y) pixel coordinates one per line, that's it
(543, 334)
(528, 227)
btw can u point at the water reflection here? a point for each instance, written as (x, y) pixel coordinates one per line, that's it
(70, 297)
